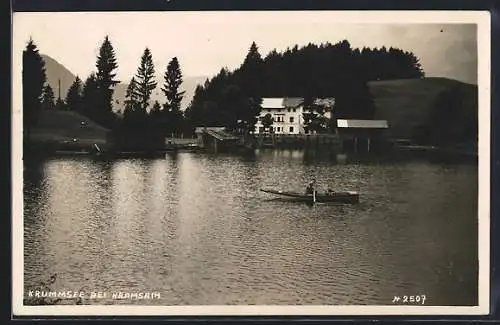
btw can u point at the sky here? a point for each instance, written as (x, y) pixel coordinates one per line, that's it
(204, 42)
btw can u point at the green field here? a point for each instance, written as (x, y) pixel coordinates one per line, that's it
(62, 126)
(406, 104)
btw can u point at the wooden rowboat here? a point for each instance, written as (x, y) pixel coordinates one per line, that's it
(335, 197)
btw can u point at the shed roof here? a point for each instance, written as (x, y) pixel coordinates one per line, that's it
(365, 124)
(201, 129)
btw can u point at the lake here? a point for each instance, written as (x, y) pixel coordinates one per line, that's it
(195, 228)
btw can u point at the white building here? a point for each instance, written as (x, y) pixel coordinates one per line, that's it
(287, 114)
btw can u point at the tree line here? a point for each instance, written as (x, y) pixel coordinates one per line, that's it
(142, 123)
(230, 98)
(312, 71)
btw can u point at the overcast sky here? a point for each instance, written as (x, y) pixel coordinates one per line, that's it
(204, 42)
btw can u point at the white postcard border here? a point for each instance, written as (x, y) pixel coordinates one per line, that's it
(481, 18)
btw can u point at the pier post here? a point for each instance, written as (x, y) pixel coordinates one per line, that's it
(215, 145)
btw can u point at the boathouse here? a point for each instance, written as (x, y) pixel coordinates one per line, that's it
(215, 138)
(362, 135)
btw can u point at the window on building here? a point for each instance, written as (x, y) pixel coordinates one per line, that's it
(261, 129)
(294, 110)
(291, 119)
(291, 129)
(288, 110)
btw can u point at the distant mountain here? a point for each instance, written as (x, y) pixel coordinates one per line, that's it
(188, 86)
(55, 71)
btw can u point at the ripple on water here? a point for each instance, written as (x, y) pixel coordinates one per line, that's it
(197, 229)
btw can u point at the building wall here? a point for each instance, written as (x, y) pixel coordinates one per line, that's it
(282, 123)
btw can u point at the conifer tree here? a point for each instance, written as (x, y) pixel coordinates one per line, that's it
(131, 97)
(156, 108)
(60, 104)
(74, 95)
(48, 101)
(172, 114)
(145, 80)
(33, 79)
(173, 80)
(251, 70)
(90, 97)
(106, 64)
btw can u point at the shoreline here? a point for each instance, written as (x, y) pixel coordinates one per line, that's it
(433, 154)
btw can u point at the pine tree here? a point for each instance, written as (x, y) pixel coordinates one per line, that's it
(145, 83)
(156, 108)
(131, 97)
(90, 97)
(250, 77)
(48, 98)
(33, 83)
(106, 64)
(253, 55)
(60, 104)
(172, 115)
(251, 72)
(74, 95)
(173, 80)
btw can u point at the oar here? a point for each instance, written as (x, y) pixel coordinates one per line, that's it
(314, 196)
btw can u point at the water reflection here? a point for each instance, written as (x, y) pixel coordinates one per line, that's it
(196, 228)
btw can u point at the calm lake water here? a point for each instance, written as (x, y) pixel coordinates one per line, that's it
(195, 228)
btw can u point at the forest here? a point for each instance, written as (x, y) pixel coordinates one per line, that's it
(313, 71)
(230, 98)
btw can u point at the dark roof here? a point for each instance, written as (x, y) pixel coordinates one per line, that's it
(292, 101)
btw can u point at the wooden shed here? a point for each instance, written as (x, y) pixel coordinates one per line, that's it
(361, 135)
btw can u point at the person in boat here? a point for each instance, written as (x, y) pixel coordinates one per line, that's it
(311, 187)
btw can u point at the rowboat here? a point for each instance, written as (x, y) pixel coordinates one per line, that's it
(335, 197)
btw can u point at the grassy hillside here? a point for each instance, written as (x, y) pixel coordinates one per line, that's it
(59, 126)
(406, 104)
